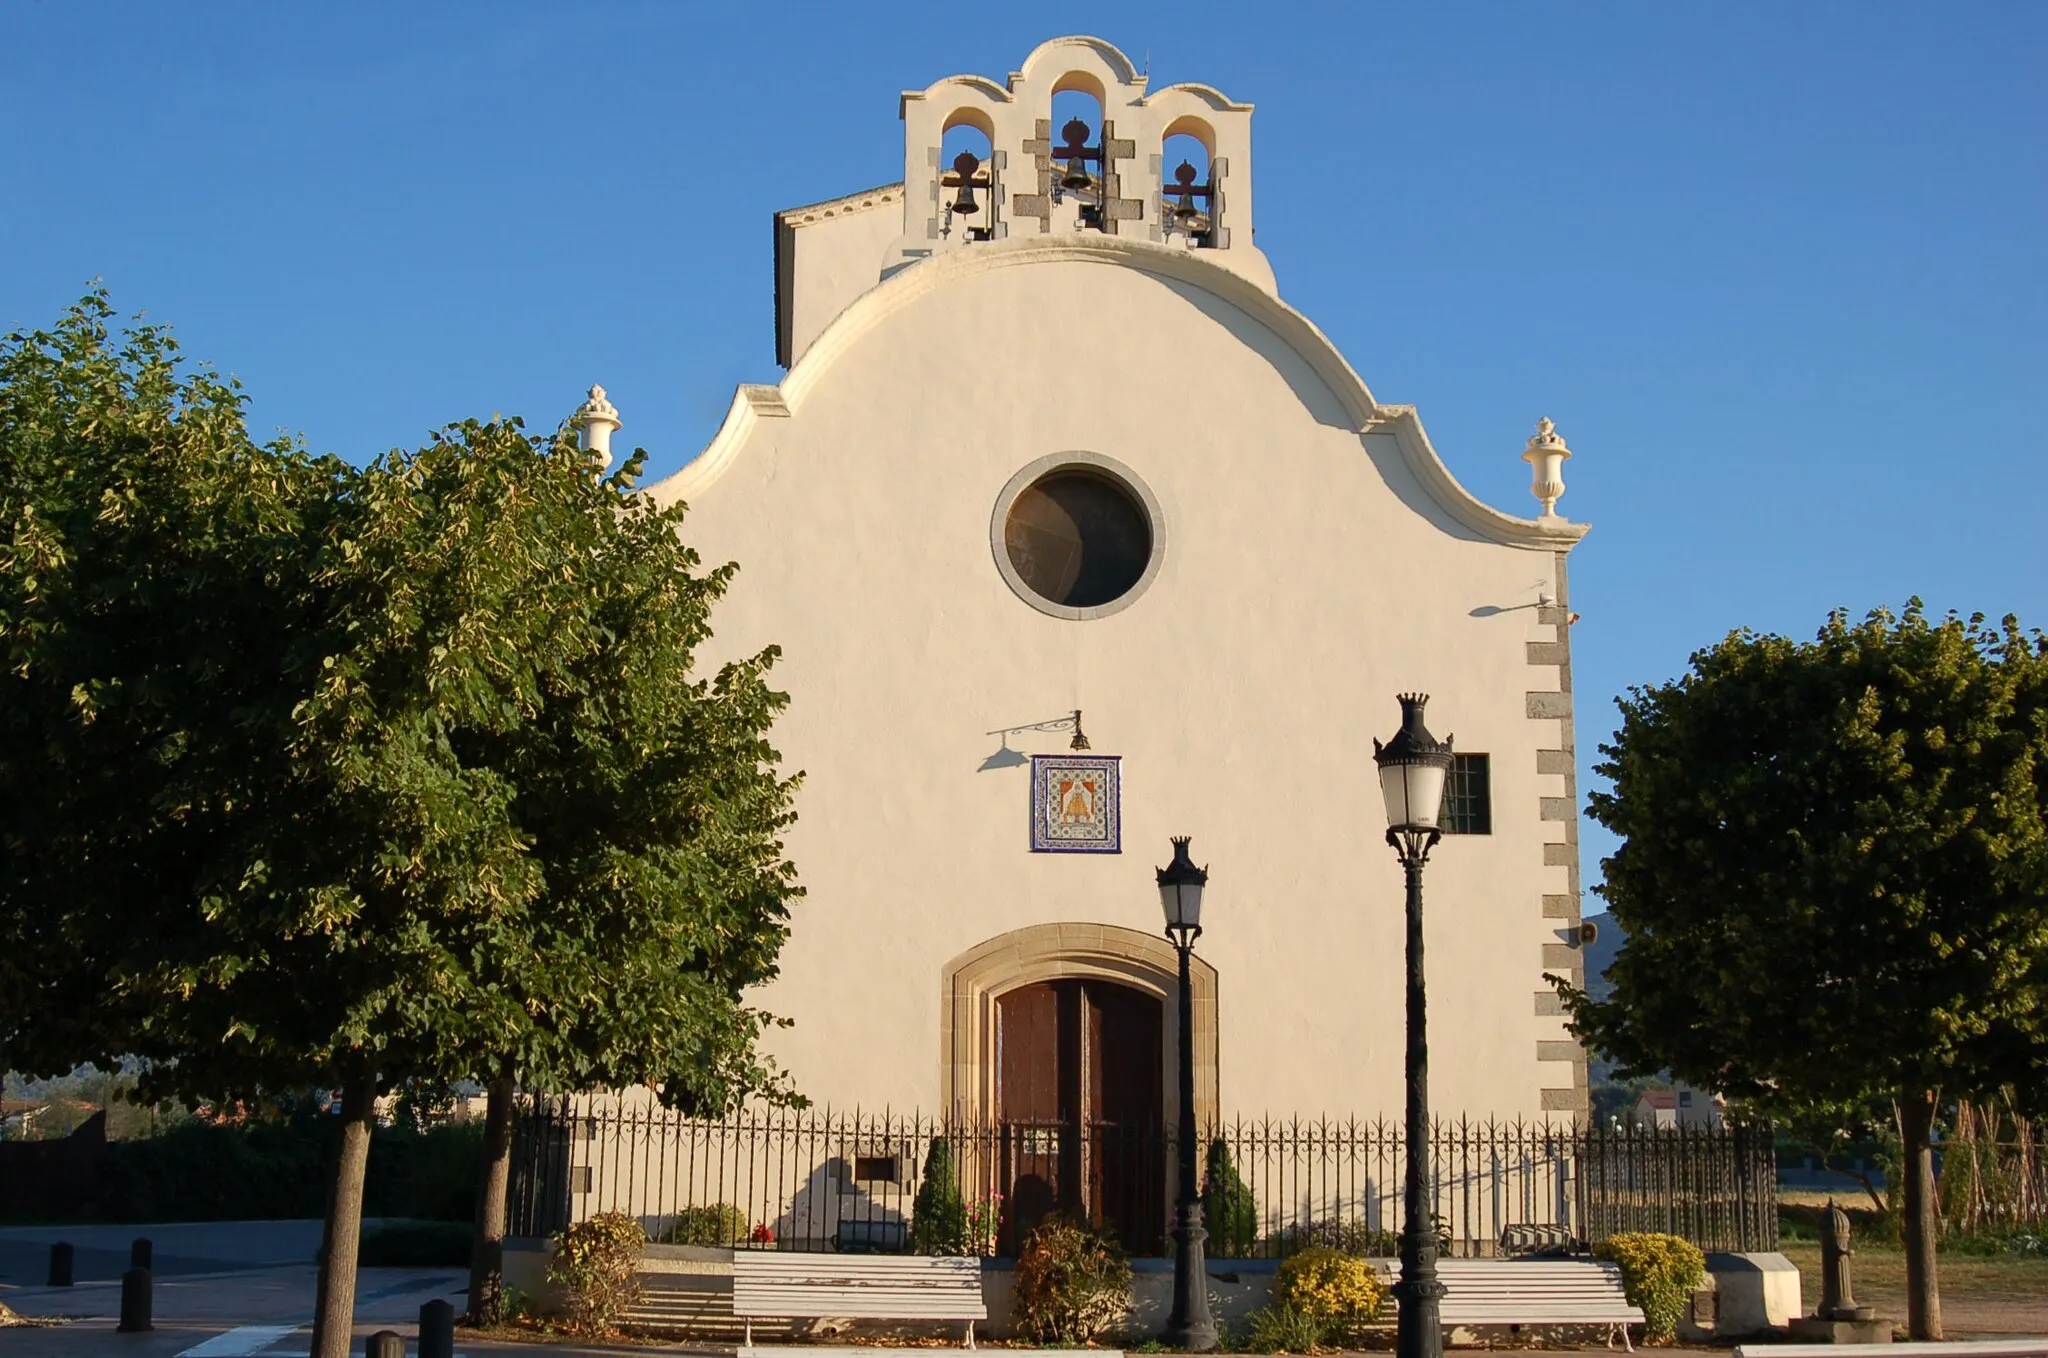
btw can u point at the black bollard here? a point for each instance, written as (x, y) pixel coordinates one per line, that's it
(135, 1285)
(141, 1254)
(384, 1344)
(61, 1257)
(437, 1330)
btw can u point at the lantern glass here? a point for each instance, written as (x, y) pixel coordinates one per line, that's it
(1414, 793)
(1182, 902)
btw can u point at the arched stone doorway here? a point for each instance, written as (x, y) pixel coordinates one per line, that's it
(1060, 1040)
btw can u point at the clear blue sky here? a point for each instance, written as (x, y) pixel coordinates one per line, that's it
(1776, 270)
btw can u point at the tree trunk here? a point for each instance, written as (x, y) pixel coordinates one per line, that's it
(334, 1305)
(487, 1250)
(1923, 1290)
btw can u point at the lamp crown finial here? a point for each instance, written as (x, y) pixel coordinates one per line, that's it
(1182, 868)
(1413, 738)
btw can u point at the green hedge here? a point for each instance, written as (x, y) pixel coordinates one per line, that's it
(200, 1171)
(416, 1244)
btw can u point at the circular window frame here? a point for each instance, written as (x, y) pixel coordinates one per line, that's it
(1108, 468)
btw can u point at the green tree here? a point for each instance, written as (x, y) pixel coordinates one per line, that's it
(317, 774)
(1229, 1211)
(938, 1214)
(1833, 879)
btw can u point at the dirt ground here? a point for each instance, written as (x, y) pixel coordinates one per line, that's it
(1979, 1296)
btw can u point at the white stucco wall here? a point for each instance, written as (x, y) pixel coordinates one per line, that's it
(1317, 561)
(829, 255)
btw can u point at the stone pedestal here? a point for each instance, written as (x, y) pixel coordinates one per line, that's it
(1814, 1330)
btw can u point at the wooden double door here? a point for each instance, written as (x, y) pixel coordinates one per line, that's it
(1078, 1107)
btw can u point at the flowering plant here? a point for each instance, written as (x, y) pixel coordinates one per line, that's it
(984, 1220)
(764, 1234)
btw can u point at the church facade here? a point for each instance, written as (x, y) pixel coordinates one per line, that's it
(1075, 536)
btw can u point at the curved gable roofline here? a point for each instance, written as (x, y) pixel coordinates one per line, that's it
(980, 84)
(1053, 49)
(1367, 416)
(1208, 94)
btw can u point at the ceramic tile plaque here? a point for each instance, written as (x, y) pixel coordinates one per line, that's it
(1076, 803)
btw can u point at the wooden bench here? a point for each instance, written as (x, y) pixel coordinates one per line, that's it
(788, 1284)
(1536, 1292)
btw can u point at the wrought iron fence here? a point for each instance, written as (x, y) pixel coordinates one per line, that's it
(822, 1180)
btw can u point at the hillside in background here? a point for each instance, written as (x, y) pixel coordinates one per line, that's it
(1600, 955)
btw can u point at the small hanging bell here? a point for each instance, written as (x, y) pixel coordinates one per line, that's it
(1184, 181)
(1076, 151)
(964, 166)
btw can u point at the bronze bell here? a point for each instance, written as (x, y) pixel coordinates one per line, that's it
(964, 166)
(1184, 181)
(1076, 152)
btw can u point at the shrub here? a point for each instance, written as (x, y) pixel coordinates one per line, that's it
(1330, 1286)
(719, 1224)
(416, 1244)
(1659, 1273)
(1354, 1238)
(1281, 1329)
(938, 1215)
(1228, 1209)
(195, 1170)
(595, 1265)
(427, 1175)
(1072, 1284)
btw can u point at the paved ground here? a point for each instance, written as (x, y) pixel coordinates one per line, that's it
(181, 1248)
(249, 1279)
(245, 1288)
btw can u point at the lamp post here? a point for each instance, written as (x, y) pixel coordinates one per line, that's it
(1412, 768)
(1189, 1327)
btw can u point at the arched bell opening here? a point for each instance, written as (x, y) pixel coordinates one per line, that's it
(1190, 201)
(969, 198)
(1078, 168)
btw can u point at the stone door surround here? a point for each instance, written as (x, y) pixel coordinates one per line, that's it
(1147, 963)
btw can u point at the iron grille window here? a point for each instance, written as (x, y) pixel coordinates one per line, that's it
(1468, 797)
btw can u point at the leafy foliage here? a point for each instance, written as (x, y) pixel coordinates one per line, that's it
(1658, 1272)
(1229, 1212)
(1320, 1295)
(938, 1214)
(596, 1263)
(1833, 862)
(263, 1168)
(317, 774)
(1281, 1329)
(1329, 1285)
(1833, 879)
(405, 766)
(1073, 1284)
(1354, 1238)
(718, 1224)
(415, 1244)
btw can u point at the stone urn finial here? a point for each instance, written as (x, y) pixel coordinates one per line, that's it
(1837, 1299)
(1546, 456)
(594, 424)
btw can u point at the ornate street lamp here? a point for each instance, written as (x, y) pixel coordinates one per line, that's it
(1412, 769)
(1189, 1327)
